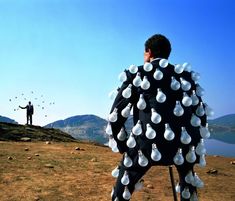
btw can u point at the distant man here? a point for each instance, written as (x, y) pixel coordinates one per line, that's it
(29, 112)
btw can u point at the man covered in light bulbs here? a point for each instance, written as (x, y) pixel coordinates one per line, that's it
(169, 118)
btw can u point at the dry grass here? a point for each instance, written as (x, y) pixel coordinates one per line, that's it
(76, 176)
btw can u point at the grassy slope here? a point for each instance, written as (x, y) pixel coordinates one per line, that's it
(76, 176)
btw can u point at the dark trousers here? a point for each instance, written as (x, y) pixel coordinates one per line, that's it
(29, 119)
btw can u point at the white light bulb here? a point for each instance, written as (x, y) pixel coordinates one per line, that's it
(198, 182)
(168, 134)
(194, 197)
(142, 160)
(126, 93)
(200, 149)
(133, 69)
(163, 63)
(141, 104)
(126, 194)
(189, 177)
(113, 116)
(195, 76)
(126, 111)
(122, 77)
(204, 131)
(187, 66)
(199, 90)
(139, 185)
(208, 110)
(121, 135)
(177, 188)
(155, 154)
(113, 94)
(158, 75)
(115, 149)
(155, 117)
(108, 129)
(178, 158)
(175, 85)
(200, 110)
(185, 85)
(178, 68)
(115, 172)
(160, 97)
(202, 161)
(112, 142)
(178, 110)
(186, 101)
(195, 121)
(127, 161)
(195, 99)
(148, 67)
(131, 141)
(191, 156)
(145, 84)
(137, 129)
(185, 138)
(185, 193)
(125, 178)
(150, 132)
(137, 80)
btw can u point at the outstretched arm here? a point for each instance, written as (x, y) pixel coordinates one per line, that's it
(22, 107)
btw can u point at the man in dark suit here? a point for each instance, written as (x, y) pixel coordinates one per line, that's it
(29, 112)
(169, 118)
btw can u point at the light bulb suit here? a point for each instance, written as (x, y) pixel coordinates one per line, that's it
(169, 125)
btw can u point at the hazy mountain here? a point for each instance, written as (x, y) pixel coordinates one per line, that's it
(7, 120)
(88, 127)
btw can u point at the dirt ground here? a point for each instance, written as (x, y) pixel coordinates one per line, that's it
(36, 171)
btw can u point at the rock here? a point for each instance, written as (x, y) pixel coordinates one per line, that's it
(232, 162)
(26, 149)
(48, 142)
(9, 158)
(77, 148)
(150, 186)
(48, 165)
(94, 160)
(29, 157)
(25, 139)
(36, 154)
(212, 171)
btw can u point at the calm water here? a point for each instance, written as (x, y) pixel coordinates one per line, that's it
(215, 147)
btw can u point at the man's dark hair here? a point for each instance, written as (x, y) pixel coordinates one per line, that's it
(159, 45)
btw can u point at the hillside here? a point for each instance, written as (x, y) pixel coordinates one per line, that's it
(16, 132)
(7, 120)
(36, 171)
(88, 127)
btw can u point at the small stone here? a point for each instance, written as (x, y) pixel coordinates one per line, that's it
(29, 157)
(25, 139)
(9, 158)
(36, 154)
(77, 148)
(150, 186)
(212, 171)
(94, 160)
(232, 162)
(26, 149)
(49, 165)
(48, 142)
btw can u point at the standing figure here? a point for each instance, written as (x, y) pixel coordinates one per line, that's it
(169, 122)
(29, 112)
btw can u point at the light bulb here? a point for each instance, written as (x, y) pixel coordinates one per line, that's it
(113, 116)
(160, 97)
(185, 138)
(145, 84)
(131, 141)
(195, 76)
(126, 111)
(122, 76)
(185, 85)
(137, 129)
(199, 90)
(108, 129)
(187, 66)
(133, 69)
(194, 197)
(200, 149)
(208, 110)
(195, 99)
(126, 93)
(115, 149)
(126, 194)
(121, 135)
(137, 80)
(141, 104)
(178, 158)
(186, 101)
(155, 154)
(177, 188)
(113, 94)
(127, 161)
(178, 110)
(139, 185)
(200, 110)
(168, 134)
(191, 156)
(198, 182)
(115, 172)
(116, 199)
(125, 178)
(195, 121)
(185, 193)
(202, 161)
(142, 160)
(178, 68)
(163, 63)
(112, 142)
(189, 177)
(155, 117)
(150, 132)
(175, 85)
(148, 67)
(204, 131)
(158, 75)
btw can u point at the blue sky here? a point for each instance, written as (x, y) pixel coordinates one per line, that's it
(71, 51)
